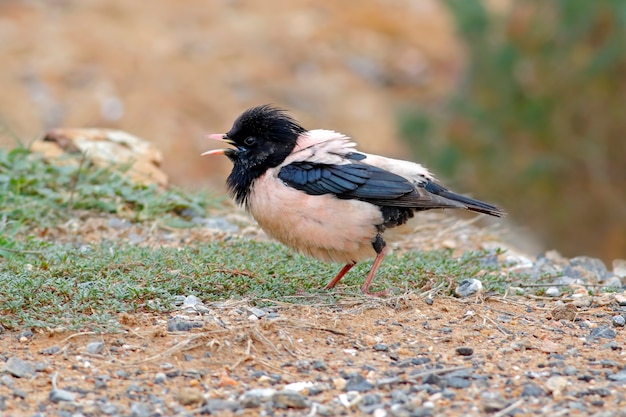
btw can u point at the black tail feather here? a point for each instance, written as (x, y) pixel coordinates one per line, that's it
(469, 203)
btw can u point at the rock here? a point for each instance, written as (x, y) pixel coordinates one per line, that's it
(18, 367)
(619, 268)
(492, 401)
(58, 395)
(94, 347)
(468, 287)
(189, 396)
(618, 321)
(556, 385)
(604, 332)
(359, 384)
(613, 282)
(593, 265)
(532, 390)
(215, 406)
(289, 399)
(381, 347)
(464, 351)
(619, 376)
(456, 382)
(52, 350)
(160, 378)
(620, 299)
(191, 301)
(104, 147)
(7, 380)
(179, 324)
(584, 301)
(255, 397)
(553, 292)
(140, 409)
(319, 365)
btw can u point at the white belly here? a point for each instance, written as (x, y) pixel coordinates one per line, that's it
(323, 227)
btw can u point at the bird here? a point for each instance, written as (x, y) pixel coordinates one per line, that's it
(313, 191)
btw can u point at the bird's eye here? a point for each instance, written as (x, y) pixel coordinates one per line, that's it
(249, 141)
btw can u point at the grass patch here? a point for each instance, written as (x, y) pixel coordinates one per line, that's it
(46, 285)
(36, 192)
(85, 286)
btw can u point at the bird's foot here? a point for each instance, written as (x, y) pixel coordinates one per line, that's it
(369, 293)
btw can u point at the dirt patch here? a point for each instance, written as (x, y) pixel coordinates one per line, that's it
(409, 354)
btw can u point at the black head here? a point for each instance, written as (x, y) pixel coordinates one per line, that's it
(263, 137)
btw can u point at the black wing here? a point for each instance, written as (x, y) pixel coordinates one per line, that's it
(362, 182)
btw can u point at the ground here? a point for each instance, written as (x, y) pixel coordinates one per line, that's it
(418, 353)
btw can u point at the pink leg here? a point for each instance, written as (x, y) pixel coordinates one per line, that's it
(365, 288)
(340, 275)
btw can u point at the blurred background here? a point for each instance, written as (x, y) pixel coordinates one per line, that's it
(523, 103)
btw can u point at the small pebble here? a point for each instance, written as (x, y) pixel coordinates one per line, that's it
(160, 378)
(94, 347)
(553, 292)
(564, 312)
(618, 321)
(289, 399)
(619, 376)
(556, 385)
(178, 324)
(604, 332)
(52, 350)
(255, 397)
(532, 390)
(18, 367)
(58, 395)
(189, 396)
(620, 299)
(428, 301)
(468, 287)
(381, 347)
(141, 409)
(464, 351)
(359, 384)
(492, 401)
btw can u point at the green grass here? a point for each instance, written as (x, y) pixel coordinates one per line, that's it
(50, 284)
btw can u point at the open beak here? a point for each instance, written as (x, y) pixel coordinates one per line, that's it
(223, 138)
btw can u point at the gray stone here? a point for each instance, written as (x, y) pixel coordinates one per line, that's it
(381, 347)
(593, 265)
(255, 397)
(160, 378)
(52, 350)
(359, 384)
(140, 409)
(7, 380)
(289, 399)
(58, 395)
(456, 382)
(603, 332)
(18, 367)
(553, 292)
(619, 267)
(618, 321)
(178, 324)
(532, 390)
(464, 351)
(613, 282)
(217, 405)
(468, 287)
(94, 347)
(619, 376)
(492, 401)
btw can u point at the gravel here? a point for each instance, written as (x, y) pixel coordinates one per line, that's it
(528, 354)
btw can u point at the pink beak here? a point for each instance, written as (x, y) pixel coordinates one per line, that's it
(216, 136)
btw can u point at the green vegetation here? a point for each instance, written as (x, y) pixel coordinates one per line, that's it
(82, 285)
(538, 122)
